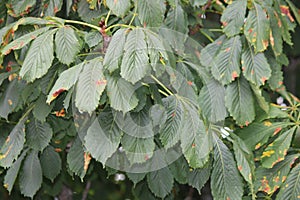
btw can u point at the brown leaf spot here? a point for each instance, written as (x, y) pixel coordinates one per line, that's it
(193, 145)
(283, 179)
(265, 43)
(277, 130)
(1, 20)
(257, 146)
(227, 49)
(250, 30)
(146, 157)
(243, 68)
(240, 168)
(101, 82)
(58, 150)
(227, 198)
(252, 71)
(276, 179)
(219, 42)
(190, 83)
(263, 79)
(247, 123)
(33, 37)
(224, 24)
(9, 101)
(173, 114)
(60, 113)
(55, 9)
(280, 83)
(87, 159)
(56, 93)
(265, 185)
(234, 75)
(272, 39)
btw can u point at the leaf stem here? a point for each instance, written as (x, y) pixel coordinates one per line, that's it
(215, 30)
(207, 36)
(162, 85)
(84, 24)
(107, 17)
(27, 112)
(119, 25)
(133, 16)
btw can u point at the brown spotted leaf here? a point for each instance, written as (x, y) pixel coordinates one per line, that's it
(256, 68)
(257, 28)
(277, 150)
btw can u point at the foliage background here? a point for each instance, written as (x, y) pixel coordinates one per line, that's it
(24, 109)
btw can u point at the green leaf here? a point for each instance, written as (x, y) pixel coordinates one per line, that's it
(270, 180)
(66, 45)
(295, 10)
(118, 7)
(198, 177)
(239, 101)
(121, 94)
(13, 145)
(48, 157)
(39, 57)
(76, 159)
(66, 80)
(212, 101)
(255, 67)
(41, 109)
(275, 32)
(23, 40)
(11, 98)
(136, 177)
(196, 142)
(244, 160)
(87, 14)
(93, 38)
(150, 13)
(257, 28)
(160, 182)
(276, 151)
(135, 64)
(53, 7)
(170, 130)
(257, 134)
(90, 86)
(209, 52)
(226, 67)
(197, 3)
(138, 150)
(225, 177)
(180, 170)
(31, 176)
(103, 136)
(233, 17)
(141, 191)
(12, 173)
(21, 6)
(38, 134)
(260, 99)
(114, 53)
(177, 19)
(276, 79)
(291, 188)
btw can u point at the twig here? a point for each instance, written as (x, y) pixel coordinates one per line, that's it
(86, 190)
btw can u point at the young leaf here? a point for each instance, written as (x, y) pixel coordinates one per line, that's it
(66, 45)
(257, 28)
(233, 17)
(239, 101)
(276, 151)
(66, 80)
(121, 94)
(170, 130)
(90, 86)
(38, 134)
(114, 53)
(135, 64)
(12, 173)
(118, 7)
(226, 67)
(196, 141)
(13, 145)
(23, 40)
(256, 68)
(225, 177)
(160, 182)
(39, 57)
(212, 101)
(103, 137)
(150, 13)
(51, 163)
(31, 176)
(291, 188)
